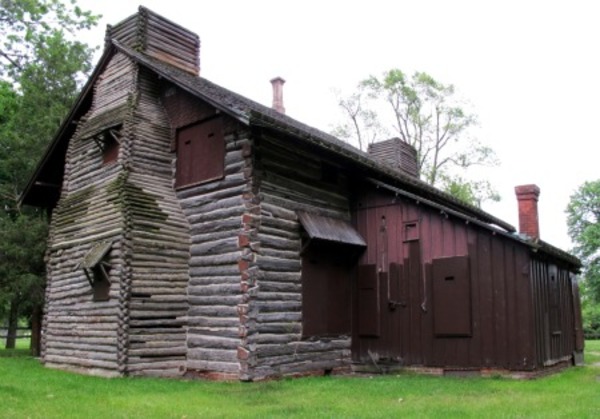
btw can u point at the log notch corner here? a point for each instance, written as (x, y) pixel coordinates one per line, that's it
(249, 270)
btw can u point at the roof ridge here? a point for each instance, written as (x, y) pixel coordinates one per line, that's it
(251, 112)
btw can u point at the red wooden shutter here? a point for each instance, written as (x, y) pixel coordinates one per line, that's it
(368, 301)
(452, 296)
(200, 153)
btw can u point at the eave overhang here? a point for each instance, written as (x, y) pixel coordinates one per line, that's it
(43, 188)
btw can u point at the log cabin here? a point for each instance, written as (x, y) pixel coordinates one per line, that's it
(196, 232)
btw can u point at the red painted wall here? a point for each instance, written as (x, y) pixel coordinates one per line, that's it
(406, 241)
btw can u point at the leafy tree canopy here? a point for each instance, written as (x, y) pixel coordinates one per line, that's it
(583, 221)
(427, 115)
(42, 66)
(27, 26)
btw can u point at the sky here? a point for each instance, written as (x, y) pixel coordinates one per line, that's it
(529, 69)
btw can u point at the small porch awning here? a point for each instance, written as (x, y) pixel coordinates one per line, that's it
(95, 255)
(93, 259)
(319, 227)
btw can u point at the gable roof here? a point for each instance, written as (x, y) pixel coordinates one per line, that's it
(250, 113)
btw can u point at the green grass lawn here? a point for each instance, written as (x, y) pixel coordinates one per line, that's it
(29, 390)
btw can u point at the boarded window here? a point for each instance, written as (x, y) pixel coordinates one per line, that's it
(451, 296)
(325, 294)
(368, 301)
(200, 153)
(411, 231)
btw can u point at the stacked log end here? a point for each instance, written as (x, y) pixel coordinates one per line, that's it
(158, 233)
(77, 331)
(289, 179)
(214, 211)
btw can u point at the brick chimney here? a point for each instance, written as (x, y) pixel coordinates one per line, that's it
(277, 84)
(527, 196)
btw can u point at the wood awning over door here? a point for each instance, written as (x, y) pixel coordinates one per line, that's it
(332, 230)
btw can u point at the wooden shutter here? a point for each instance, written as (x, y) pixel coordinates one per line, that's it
(368, 301)
(452, 296)
(200, 153)
(326, 299)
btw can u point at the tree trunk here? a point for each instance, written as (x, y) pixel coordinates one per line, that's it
(36, 330)
(13, 323)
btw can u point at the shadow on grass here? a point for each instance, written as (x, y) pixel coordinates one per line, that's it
(15, 353)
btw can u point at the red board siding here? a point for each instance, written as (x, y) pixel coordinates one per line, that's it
(503, 324)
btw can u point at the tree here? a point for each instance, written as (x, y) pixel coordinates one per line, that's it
(43, 66)
(473, 192)
(21, 267)
(363, 124)
(583, 221)
(26, 26)
(427, 115)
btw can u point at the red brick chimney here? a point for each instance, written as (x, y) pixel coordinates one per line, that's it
(277, 83)
(527, 196)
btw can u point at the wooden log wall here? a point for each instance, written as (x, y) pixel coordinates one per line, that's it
(216, 211)
(500, 299)
(158, 233)
(159, 38)
(78, 332)
(289, 178)
(169, 42)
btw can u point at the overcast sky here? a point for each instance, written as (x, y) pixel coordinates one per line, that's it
(530, 70)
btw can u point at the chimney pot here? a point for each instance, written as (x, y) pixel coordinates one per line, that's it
(277, 84)
(527, 197)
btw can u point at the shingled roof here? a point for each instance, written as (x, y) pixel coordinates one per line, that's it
(252, 113)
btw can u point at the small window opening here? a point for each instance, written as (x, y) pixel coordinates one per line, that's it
(411, 231)
(109, 141)
(449, 278)
(97, 270)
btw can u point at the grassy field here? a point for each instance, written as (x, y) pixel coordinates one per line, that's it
(29, 390)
